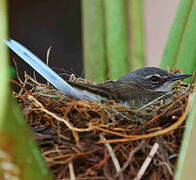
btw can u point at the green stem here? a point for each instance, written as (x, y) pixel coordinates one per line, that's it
(93, 40)
(136, 34)
(4, 74)
(116, 38)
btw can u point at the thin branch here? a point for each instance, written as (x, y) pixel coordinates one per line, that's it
(126, 164)
(112, 154)
(71, 171)
(147, 161)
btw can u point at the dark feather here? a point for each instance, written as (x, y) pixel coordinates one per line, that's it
(120, 91)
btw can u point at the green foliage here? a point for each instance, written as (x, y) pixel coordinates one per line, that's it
(116, 39)
(180, 51)
(112, 47)
(187, 158)
(23, 148)
(135, 34)
(11, 72)
(93, 40)
(4, 74)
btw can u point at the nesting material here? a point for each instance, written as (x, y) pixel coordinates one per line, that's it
(91, 140)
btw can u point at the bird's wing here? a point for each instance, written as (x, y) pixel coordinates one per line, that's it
(129, 94)
(112, 89)
(102, 89)
(39, 66)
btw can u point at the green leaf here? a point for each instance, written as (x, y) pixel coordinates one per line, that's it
(113, 38)
(22, 148)
(186, 162)
(11, 72)
(4, 74)
(180, 51)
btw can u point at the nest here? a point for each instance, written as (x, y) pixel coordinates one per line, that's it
(91, 140)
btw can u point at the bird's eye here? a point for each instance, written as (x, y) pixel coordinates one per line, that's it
(154, 79)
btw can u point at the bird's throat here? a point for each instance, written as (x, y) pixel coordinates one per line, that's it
(166, 87)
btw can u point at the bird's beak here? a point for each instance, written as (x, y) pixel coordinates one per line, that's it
(176, 77)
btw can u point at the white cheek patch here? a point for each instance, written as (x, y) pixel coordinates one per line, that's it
(167, 87)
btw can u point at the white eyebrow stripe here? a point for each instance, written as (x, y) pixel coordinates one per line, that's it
(157, 75)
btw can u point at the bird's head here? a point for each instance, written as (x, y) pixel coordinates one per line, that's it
(153, 78)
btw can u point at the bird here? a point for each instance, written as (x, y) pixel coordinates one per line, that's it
(132, 90)
(136, 88)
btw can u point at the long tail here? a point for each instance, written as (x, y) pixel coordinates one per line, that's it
(52, 77)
